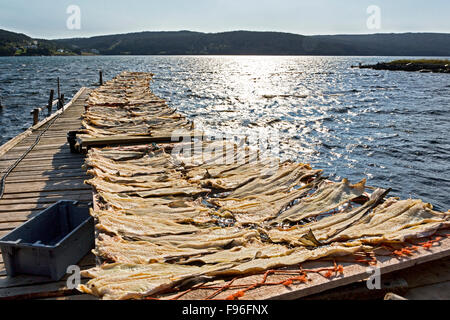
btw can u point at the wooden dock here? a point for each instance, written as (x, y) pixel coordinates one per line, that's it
(50, 172)
(47, 174)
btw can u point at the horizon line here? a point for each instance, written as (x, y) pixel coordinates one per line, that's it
(220, 32)
(243, 30)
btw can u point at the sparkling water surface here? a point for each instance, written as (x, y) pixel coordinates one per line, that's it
(389, 127)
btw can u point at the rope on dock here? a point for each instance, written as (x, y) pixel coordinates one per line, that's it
(16, 163)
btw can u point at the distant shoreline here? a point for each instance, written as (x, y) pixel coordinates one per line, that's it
(419, 65)
(232, 43)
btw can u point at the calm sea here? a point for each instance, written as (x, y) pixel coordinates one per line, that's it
(390, 127)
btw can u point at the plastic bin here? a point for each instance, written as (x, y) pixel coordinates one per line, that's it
(47, 244)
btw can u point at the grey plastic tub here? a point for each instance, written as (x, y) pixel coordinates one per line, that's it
(47, 244)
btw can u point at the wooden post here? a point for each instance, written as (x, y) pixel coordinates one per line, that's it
(101, 77)
(35, 116)
(50, 101)
(1, 106)
(59, 90)
(61, 101)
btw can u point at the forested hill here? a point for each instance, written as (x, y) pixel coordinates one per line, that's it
(18, 44)
(265, 43)
(236, 43)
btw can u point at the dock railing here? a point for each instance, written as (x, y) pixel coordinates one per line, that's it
(59, 102)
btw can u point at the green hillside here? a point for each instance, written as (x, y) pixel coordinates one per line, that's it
(264, 43)
(231, 43)
(17, 44)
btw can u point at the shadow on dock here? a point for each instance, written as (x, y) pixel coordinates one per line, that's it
(48, 174)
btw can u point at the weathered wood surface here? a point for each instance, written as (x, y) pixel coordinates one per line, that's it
(354, 272)
(168, 137)
(49, 173)
(418, 282)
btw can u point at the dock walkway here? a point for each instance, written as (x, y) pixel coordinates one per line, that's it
(49, 173)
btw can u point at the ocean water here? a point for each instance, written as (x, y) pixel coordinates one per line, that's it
(389, 127)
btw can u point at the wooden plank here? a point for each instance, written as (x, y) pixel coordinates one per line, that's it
(46, 139)
(52, 289)
(73, 118)
(38, 156)
(47, 135)
(45, 171)
(43, 194)
(353, 272)
(36, 203)
(43, 148)
(46, 162)
(61, 124)
(427, 273)
(8, 226)
(39, 290)
(82, 297)
(84, 197)
(48, 168)
(39, 148)
(22, 179)
(43, 157)
(359, 290)
(419, 276)
(59, 129)
(27, 207)
(39, 175)
(14, 216)
(117, 140)
(23, 280)
(43, 162)
(73, 184)
(2, 234)
(14, 141)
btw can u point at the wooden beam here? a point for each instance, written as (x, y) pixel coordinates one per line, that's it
(47, 194)
(35, 116)
(87, 143)
(50, 101)
(59, 89)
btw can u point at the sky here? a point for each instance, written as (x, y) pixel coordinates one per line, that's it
(49, 18)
